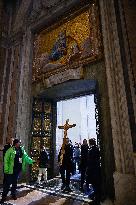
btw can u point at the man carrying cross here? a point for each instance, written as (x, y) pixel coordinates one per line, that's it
(65, 158)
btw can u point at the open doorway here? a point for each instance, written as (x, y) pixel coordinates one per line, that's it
(46, 106)
(81, 111)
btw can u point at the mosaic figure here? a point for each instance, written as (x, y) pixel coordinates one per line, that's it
(59, 48)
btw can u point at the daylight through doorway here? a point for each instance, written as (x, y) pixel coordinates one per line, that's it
(80, 111)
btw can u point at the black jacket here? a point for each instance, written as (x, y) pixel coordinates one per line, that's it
(93, 162)
(67, 157)
(84, 155)
(43, 159)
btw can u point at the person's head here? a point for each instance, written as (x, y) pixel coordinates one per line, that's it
(92, 141)
(9, 140)
(16, 143)
(84, 142)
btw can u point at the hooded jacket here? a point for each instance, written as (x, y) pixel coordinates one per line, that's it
(9, 160)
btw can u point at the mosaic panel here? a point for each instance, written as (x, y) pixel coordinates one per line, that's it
(72, 40)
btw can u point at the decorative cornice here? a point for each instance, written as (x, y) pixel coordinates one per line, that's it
(62, 68)
(45, 16)
(63, 76)
(57, 78)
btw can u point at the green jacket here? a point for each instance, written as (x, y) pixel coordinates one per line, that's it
(9, 160)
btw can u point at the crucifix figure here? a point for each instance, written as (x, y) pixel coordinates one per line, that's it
(65, 127)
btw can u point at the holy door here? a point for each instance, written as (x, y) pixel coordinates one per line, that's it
(42, 133)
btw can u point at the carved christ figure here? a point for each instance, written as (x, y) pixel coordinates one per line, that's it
(65, 127)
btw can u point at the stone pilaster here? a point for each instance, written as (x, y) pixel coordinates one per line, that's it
(5, 90)
(14, 92)
(127, 39)
(23, 119)
(2, 56)
(122, 141)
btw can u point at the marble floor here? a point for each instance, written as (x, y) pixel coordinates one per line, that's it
(48, 194)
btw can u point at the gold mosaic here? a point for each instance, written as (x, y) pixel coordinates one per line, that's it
(76, 39)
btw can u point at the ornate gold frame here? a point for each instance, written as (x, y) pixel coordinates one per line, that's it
(97, 44)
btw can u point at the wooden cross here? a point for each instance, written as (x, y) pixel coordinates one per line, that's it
(65, 127)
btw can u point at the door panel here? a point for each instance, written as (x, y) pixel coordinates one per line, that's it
(42, 133)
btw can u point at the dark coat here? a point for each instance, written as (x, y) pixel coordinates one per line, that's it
(84, 156)
(67, 162)
(43, 159)
(93, 163)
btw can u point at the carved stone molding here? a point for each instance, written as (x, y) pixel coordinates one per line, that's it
(63, 77)
(117, 97)
(57, 78)
(124, 183)
(129, 71)
(121, 133)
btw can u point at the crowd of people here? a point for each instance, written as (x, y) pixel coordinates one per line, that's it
(86, 158)
(80, 158)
